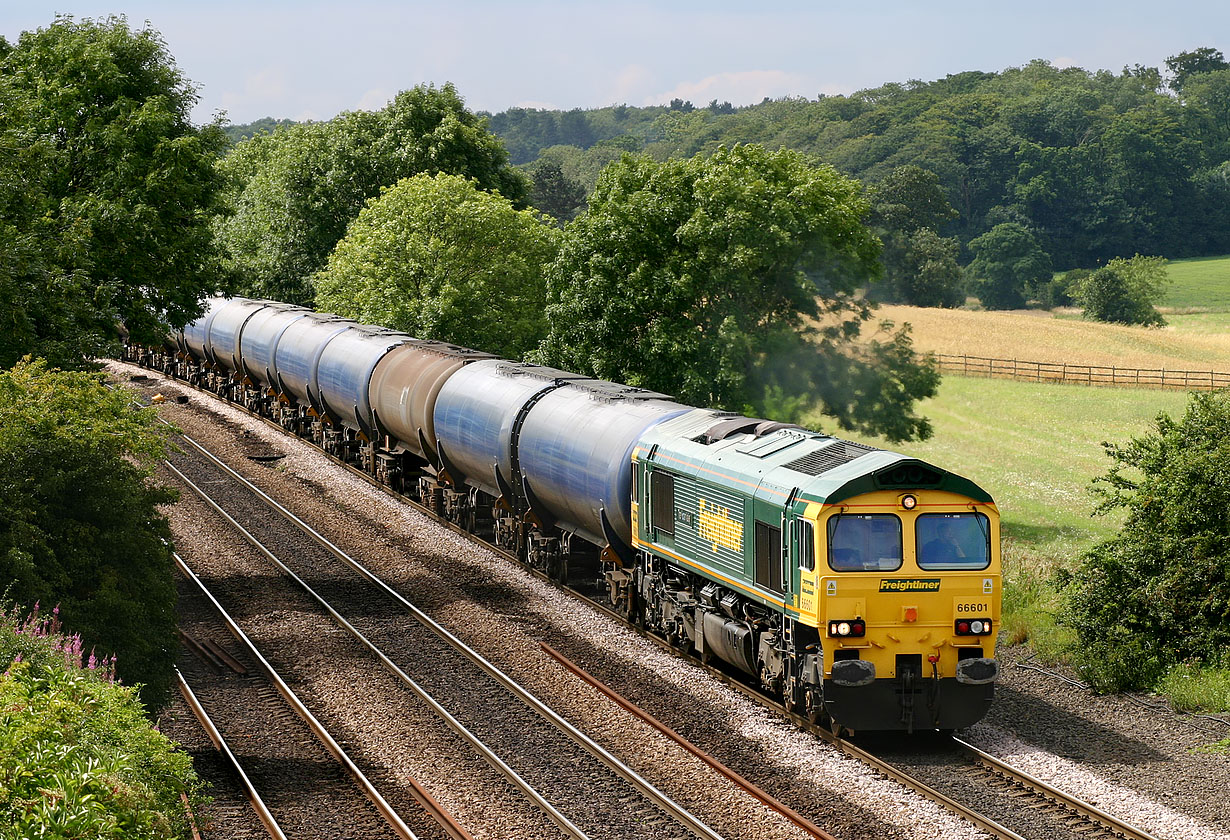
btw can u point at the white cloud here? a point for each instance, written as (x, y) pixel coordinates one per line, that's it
(742, 88)
(532, 103)
(630, 83)
(1063, 62)
(373, 100)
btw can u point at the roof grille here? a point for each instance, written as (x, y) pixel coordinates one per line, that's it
(833, 455)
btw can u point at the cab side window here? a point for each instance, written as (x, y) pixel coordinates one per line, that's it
(807, 545)
(662, 502)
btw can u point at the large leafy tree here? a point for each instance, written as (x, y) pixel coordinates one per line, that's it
(706, 278)
(920, 267)
(555, 193)
(79, 525)
(1158, 593)
(441, 259)
(106, 191)
(1185, 65)
(1008, 264)
(293, 192)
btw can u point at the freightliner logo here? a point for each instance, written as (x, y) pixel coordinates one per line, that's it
(909, 584)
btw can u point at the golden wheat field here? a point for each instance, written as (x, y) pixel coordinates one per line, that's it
(1039, 336)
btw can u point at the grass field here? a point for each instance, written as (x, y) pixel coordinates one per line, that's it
(1037, 447)
(1196, 337)
(1201, 283)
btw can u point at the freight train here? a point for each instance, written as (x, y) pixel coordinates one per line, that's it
(860, 586)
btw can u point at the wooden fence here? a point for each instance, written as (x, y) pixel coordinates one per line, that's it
(1186, 380)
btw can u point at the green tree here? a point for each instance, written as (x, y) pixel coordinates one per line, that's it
(79, 525)
(1125, 291)
(439, 258)
(1193, 63)
(925, 270)
(920, 267)
(555, 193)
(294, 191)
(106, 191)
(1008, 263)
(1158, 593)
(700, 278)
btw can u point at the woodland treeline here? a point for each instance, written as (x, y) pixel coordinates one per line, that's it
(1096, 164)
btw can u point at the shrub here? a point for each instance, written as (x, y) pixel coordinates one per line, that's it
(78, 758)
(1158, 593)
(79, 525)
(1125, 291)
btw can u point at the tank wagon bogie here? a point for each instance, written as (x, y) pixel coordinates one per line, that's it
(859, 585)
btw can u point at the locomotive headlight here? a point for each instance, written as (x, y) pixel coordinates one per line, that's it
(843, 629)
(975, 627)
(909, 502)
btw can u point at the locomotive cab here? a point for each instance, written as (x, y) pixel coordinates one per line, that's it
(859, 585)
(905, 589)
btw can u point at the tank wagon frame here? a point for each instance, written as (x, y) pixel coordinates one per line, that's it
(860, 585)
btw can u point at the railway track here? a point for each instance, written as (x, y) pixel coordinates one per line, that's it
(1066, 815)
(530, 742)
(296, 752)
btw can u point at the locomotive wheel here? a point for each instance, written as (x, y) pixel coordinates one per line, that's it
(816, 712)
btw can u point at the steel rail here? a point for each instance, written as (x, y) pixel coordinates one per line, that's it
(621, 769)
(369, 790)
(1067, 800)
(437, 811)
(258, 804)
(711, 762)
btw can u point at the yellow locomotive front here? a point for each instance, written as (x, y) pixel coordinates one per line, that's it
(905, 588)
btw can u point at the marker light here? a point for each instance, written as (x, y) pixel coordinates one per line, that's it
(972, 627)
(847, 629)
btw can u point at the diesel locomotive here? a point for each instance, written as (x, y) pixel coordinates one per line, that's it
(860, 586)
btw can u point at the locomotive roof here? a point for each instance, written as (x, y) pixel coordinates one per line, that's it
(779, 462)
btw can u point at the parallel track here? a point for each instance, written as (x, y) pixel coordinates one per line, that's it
(220, 744)
(386, 811)
(1096, 823)
(689, 822)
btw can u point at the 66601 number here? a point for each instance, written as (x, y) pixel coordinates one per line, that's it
(973, 608)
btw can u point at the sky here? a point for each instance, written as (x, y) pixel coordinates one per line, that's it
(302, 60)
